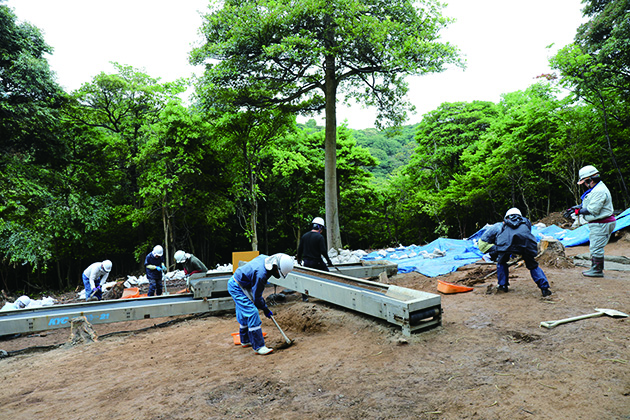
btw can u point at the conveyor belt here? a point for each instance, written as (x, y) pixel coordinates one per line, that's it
(413, 310)
(103, 312)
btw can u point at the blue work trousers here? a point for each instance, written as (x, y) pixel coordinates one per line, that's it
(247, 316)
(88, 289)
(155, 287)
(537, 274)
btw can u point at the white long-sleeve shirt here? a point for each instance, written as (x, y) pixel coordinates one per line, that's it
(95, 272)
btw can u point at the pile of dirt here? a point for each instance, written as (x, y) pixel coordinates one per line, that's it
(477, 275)
(307, 318)
(556, 219)
(553, 259)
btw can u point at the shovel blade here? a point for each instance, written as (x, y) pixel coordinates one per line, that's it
(612, 312)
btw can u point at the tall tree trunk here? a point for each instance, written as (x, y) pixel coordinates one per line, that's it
(253, 215)
(253, 219)
(165, 227)
(330, 162)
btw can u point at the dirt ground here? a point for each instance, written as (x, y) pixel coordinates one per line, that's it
(490, 359)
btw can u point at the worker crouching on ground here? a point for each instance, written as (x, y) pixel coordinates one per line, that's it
(154, 268)
(515, 236)
(96, 273)
(597, 209)
(246, 288)
(191, 263)
(311, 248)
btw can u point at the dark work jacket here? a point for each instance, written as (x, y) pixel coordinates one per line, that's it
(312, 247)
(516, 237)
(156, 261)
(194, 265)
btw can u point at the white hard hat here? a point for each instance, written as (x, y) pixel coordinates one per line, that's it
(282, 261)
(23, 301)
(513, 210)
(587, 171)
(318, 221)
(107, 265)
(158, 251)
(286, 265)
(180, 256)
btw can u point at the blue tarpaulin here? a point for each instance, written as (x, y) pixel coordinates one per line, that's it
(458, 252)
(444, 255)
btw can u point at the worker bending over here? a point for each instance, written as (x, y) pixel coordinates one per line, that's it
(191, 263)
(514, 236)
(246, 288)
(96, 273)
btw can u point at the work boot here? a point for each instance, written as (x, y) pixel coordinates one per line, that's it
(264, 350)
(546, 292)
(502, 288)
(597, 268)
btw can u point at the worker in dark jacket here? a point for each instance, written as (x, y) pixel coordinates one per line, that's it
(312, 247)
(191, 263)
(246, 288)
(515, 237)
(154, 268)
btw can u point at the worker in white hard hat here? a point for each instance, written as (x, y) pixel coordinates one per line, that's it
(246, 288)
(155, 268)
(515, 238)
(22, 302)
(192, 264)
(598, 211)
(312, 247)
(94, 277)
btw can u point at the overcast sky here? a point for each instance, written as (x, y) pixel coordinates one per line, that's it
(504, 43)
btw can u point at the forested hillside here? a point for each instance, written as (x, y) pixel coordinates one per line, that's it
(123, 163)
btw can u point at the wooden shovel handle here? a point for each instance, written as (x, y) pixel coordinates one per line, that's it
(551, 324)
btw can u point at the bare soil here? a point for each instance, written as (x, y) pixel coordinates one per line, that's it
(489, 360)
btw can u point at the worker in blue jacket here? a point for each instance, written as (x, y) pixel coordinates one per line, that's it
(515, 237)
(154, 268)
(246, 287)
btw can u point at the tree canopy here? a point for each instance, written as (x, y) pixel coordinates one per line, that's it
(298, 56)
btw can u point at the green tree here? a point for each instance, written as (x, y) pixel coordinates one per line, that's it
(443, 136)
(182, 179)
(300, 56)
(29, 94)
(124, 107)
(250, 137)
(597, 68)
(510, 165)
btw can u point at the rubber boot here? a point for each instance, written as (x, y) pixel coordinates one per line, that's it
(264, 350)
(256, 338)
(597, 268)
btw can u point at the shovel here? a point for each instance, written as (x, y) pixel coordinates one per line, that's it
(289, 342)
(600, 312)
(335, 267)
